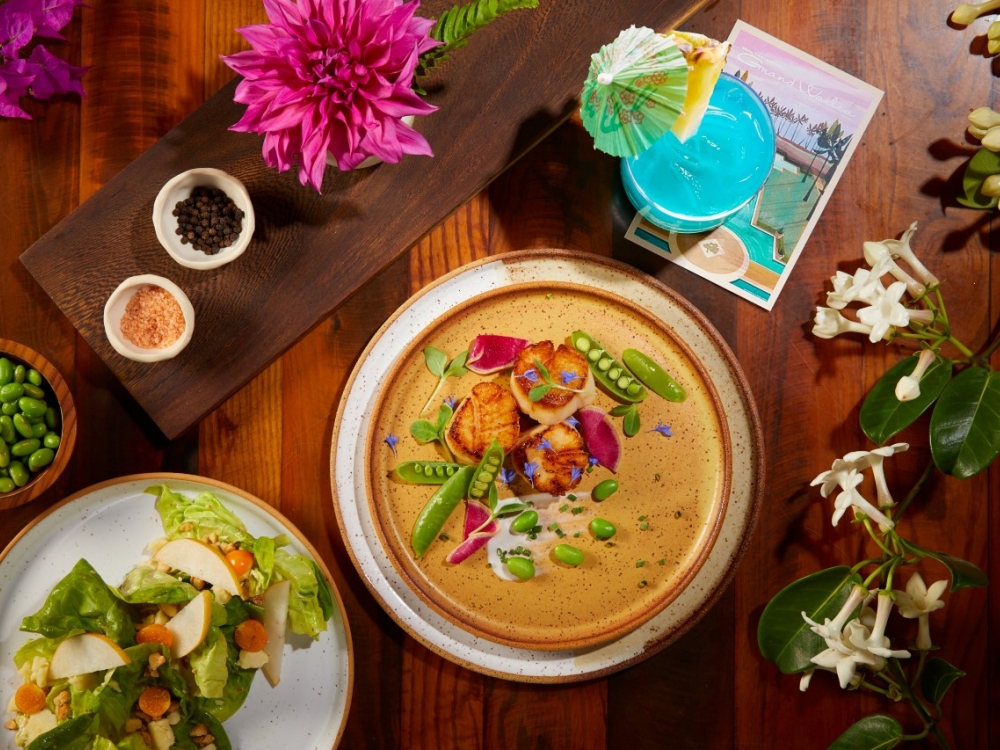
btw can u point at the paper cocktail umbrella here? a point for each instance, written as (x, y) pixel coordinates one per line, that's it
(634, 92)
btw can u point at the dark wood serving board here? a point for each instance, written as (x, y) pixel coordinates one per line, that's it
(498, 97)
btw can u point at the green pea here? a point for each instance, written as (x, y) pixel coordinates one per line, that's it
(11, 392)
(653, 376)
(524, 522)
(39, 430)
(6, 485)
(33, 390)
(604, 490)
(438, 509)
(22, 425)
(486, 472)
(52, 418)
(18, 473)
(40, 459)
(51, 440)
(424, 472)
(521, 567)
(567, 554)
(9, 409)
(602, 529)
(19, 374)
(6, 371)
(607, 370)
(4, 454)
(25, 448)
(35, 377)
(32, 407)
(7, 432)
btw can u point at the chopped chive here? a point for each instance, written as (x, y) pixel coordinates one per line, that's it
(639, 563)
(563, 508)
(571, 497)
(577, 534)
(443, 537)
(552, 526)
(662, 561)
(642, 518)
(643, 584)
(577, 511)
(656, 476)
(643, 526)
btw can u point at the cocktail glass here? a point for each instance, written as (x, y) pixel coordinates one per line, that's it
(696, 185)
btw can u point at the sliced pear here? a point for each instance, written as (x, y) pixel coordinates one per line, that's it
(190, 626)
(705, 58)
(86, 653)
(275, 618)
(199, 560)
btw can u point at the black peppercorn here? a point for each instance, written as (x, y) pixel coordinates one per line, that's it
(208, 220)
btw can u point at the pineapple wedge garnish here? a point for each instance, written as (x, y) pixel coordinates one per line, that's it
(705, 58)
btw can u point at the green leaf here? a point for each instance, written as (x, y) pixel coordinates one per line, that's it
(983, 164)
(963, 573)
(883, 415)
(621, 410)
(632, 424)
(544, 371)
(444, 414)
(457, 367)
(436, 361)
(783, 636)
(965, 426)
(538, 392)
(423, 431)
(938, 676)
(875, 732)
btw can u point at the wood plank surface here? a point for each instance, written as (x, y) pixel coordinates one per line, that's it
(153, 64)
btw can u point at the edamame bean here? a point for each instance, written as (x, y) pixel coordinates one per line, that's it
(602, 529)
(11, 392)
(40, 458)
(653, 376)
(608, 372)
(567, 554)
(52, 418)
(33, 390)
(35, 378)
(39, 430)
(604, 490)
(51, 440)
(32, 407)
(6, 485)
(438, 508)
(524, 522)
(4, 454)
(25, 448)
(7, 432)
(19, 374)
(521, 567)
(10, 409)
(6, 371)
(426, 472)
(22, 425)
(18, 473)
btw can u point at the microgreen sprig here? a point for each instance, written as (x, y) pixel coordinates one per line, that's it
(424, 431)
(539, 391)
(439, 365)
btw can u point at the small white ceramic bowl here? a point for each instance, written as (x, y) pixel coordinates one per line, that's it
(178, 189)
(114, 309)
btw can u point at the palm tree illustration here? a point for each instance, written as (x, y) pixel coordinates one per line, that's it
(831, 143)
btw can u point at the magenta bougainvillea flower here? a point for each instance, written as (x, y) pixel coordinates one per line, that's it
(333, 76)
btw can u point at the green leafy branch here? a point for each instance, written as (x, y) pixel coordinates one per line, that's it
(539, 392)
(440, 367)
(429, 432)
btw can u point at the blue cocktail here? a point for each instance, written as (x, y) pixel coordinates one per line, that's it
(694, 186)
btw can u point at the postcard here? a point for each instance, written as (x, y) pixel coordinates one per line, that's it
(819, 115)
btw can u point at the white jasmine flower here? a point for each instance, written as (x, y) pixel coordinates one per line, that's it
(843, 654)
(873, 459)
(829, 323)
(885, 312)
(901, 249)
(876, 254)
(908, 387)
(919, 601)
(832, 628)
(845, 475)
(864, 286)
(806, 678)
(877, 642)
(991, 186)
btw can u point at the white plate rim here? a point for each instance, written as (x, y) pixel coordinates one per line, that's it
(88, 505)
(357, 527)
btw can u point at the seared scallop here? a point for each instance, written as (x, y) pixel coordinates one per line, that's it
(490, 411)
(551, 458)
(573, 383)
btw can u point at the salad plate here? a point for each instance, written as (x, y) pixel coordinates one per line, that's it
(109, 525)
(358, 462)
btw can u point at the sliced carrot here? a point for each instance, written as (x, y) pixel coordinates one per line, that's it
(154, 701)
(155, 634)
(251, 636)
(240, 560)
(29, 698)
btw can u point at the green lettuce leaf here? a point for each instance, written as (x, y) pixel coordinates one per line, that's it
(311, 602)
(148, 585)
(82, 601)
(208, 663)
(197, 518)
(182, 732)
(132, 742)
(103, 743)
(43, 647)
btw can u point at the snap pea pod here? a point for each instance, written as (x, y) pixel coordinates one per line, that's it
(426, 472)
(434, 514)
(653, 376)
(609, 372)
(486, 472)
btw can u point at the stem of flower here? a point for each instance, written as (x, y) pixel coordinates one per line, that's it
(876, 688)
(876, 574)
(991, 348)
(920, 668)
(960, 346)
(865, 563)
(914, 491)
(871, 532)
(939, 736)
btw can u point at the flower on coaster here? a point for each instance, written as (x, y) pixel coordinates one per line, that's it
(333, 77)
(919, 601)
(908, 387)
(829, 323)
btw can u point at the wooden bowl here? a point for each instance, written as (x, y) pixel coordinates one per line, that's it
(56, 386)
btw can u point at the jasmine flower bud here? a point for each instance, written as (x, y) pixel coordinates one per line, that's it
(993, 38)
(991, 186)
(966, 13)
(991, 139)
(829, 323)
(908, 387)
(984, 117)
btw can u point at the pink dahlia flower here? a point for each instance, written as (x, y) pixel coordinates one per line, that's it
(333, 76)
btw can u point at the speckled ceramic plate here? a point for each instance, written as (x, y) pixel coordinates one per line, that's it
(350, 472)
(672, 491)
(109, 524)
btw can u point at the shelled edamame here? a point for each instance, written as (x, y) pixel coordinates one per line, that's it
(29, 426)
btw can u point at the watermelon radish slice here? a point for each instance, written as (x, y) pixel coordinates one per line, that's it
(476, 514)
(601, 437)
(490, 353)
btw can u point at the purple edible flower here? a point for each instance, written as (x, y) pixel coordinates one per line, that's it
(545, 445)
(530, 468)
(663, 429)
(451, 401)
(575, 473)
(592, 460)
(391, 440)
(572, 422)
(567, 377)
(507, 475)
(530, 375)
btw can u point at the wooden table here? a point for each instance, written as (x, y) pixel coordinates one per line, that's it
(711, 689)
